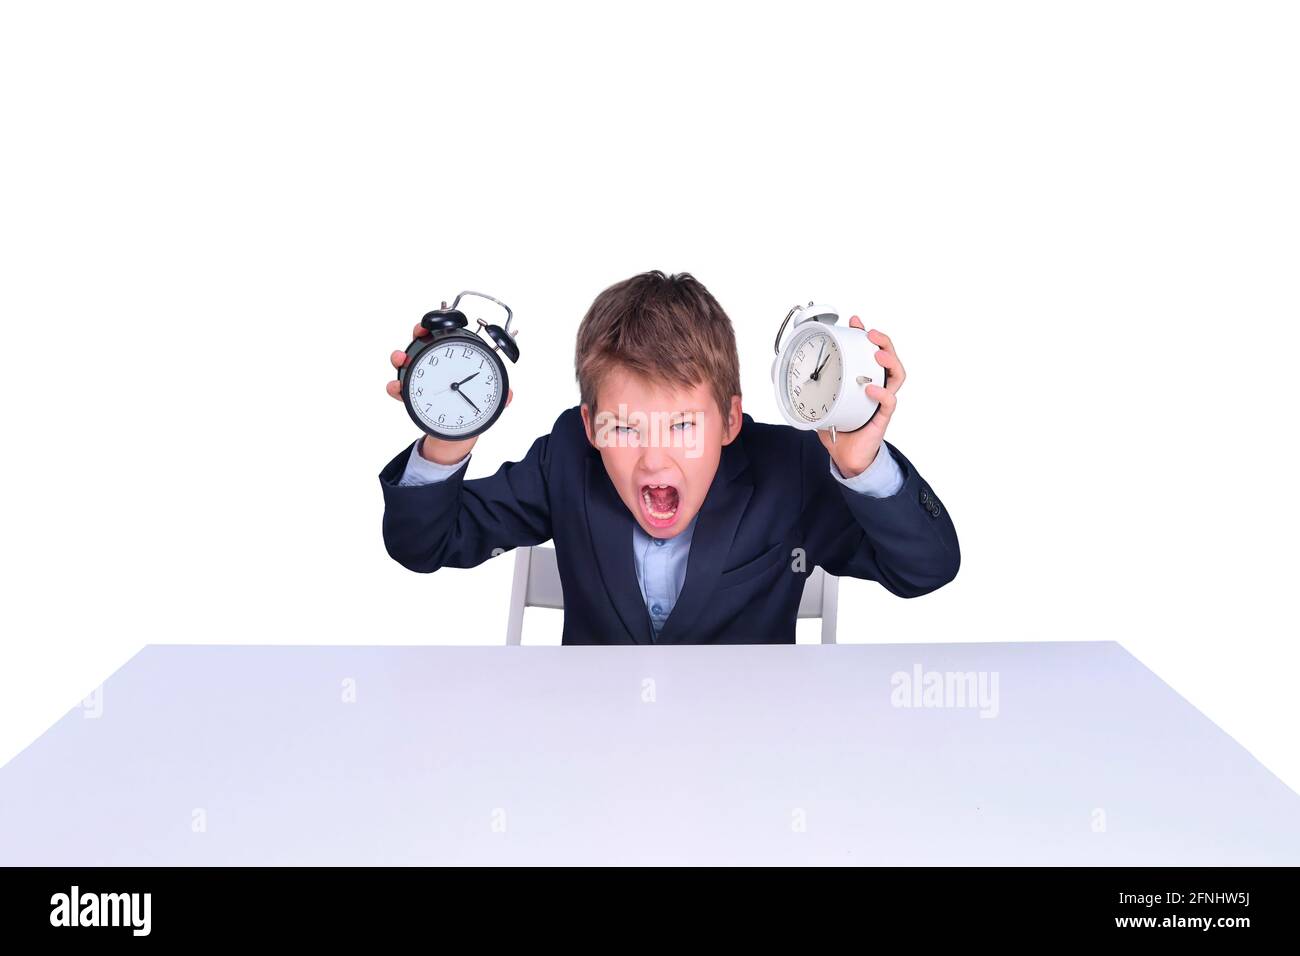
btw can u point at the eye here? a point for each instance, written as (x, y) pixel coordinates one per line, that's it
(683, 425)
(623, 428)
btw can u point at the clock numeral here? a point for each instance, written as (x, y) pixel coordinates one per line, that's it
(419, 372)
(433, 360)
(798, 390)
(448, 353)
(468, 353)
(460, 419)
(419, 391)
(442, 418)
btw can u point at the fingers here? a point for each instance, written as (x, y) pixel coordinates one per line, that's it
(510, 394)
(887, 358)
(888, 402)
(398, 359)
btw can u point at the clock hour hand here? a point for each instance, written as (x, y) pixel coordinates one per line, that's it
(453, 386)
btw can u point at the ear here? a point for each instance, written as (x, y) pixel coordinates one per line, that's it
(734, 421)
(586, 425)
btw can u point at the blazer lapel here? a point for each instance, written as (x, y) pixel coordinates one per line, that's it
(719, 516)
(610, 525)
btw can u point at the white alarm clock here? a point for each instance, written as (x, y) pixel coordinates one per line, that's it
(822, 371)
(454, 383)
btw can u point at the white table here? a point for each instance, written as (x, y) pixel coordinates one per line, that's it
(751, 754)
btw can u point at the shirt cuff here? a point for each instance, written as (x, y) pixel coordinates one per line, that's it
(882, 478)
(420, 471)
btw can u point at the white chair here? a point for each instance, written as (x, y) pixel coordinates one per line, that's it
(537, 584)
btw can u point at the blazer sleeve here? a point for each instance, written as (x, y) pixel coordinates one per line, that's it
(460, 522)
(905, 541)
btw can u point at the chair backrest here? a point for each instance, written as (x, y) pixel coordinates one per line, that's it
(537, 584)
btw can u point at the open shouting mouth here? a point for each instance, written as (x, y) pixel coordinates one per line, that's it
(660, 503)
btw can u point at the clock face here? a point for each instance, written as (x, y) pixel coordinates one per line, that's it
(454, 387)
(813, 374)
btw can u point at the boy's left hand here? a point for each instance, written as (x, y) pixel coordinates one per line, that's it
(853, 452)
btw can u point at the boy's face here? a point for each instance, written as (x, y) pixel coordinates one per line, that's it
(650, 435)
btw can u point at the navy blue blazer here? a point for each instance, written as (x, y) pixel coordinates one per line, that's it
(772, 495)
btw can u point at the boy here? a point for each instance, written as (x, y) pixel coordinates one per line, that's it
(677, 518)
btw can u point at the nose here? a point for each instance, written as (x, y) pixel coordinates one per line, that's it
(654, 460)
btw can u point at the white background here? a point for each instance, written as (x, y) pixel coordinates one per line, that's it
(1077, 221)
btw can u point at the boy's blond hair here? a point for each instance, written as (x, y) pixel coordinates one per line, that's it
(661, 328)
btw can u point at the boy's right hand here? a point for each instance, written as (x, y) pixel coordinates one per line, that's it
(434, 449)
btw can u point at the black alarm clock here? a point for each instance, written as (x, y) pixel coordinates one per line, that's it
(454, 383)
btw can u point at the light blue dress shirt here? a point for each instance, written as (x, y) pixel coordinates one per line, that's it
(661, 562)
(661, 569)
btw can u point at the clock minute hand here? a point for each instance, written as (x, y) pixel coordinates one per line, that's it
(463, 381)
(455, 387)
(820, 352)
